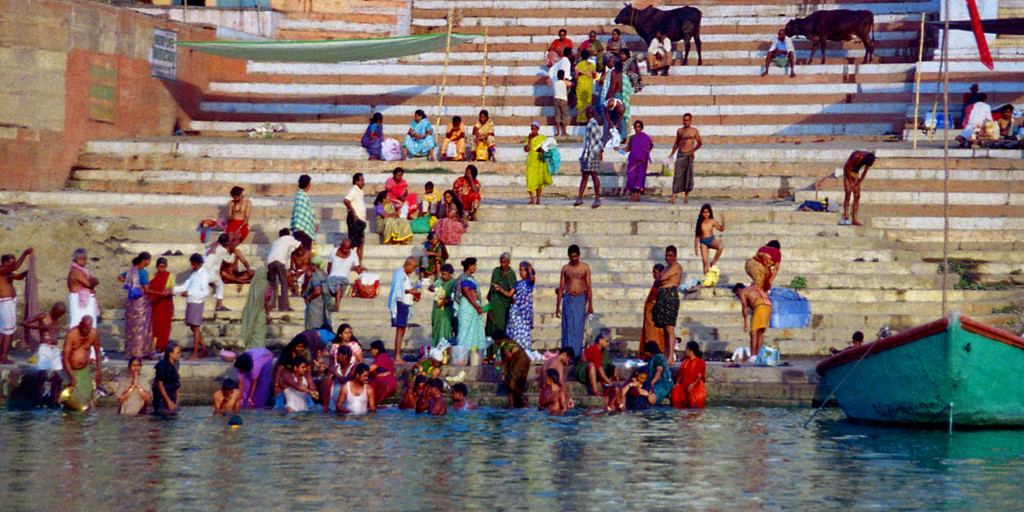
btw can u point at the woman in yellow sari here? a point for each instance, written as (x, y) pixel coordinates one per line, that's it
(536, 169)
(456, 135)
(483, 133)
(586, 72)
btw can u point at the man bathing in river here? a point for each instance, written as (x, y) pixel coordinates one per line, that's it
(574, 300)
(9, 300)
(48, 357)
(76, 361)
(666, 307)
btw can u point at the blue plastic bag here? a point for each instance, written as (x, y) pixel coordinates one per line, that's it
(554, 159)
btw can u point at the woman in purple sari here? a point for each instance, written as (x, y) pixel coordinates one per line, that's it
(640, 147)
(374, 136)
(138, 317)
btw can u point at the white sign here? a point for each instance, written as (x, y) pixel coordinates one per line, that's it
(164, 55)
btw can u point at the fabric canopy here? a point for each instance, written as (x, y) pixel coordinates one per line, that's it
(1003, 26)
(347, 50)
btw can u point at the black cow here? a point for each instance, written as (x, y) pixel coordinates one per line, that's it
(678, 24)
(838, 25)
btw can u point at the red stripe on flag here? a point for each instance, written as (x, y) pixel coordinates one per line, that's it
(979, 35)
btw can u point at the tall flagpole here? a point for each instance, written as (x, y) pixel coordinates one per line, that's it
(917, 80)
(945, 160)
(444, 79)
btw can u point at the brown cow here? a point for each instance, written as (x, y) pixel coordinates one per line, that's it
(838, 25)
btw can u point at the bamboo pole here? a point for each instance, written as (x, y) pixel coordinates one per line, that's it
(945, 160)
(917, 80)
(483, 75)
(444, 78)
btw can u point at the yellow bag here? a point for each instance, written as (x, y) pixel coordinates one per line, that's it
(991, 130)
(481, 152)
(711, 278)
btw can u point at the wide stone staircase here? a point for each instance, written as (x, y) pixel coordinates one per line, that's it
(731, 103)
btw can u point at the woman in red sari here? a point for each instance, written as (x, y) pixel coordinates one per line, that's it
(689, 390)
(467, 188)
(163, 304)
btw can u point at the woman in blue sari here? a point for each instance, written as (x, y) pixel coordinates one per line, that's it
(419, 140)
(470, 311)
(374, 136)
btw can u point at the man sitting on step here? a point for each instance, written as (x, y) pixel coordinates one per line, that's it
(781, 53)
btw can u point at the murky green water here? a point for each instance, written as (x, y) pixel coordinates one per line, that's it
(717, 459)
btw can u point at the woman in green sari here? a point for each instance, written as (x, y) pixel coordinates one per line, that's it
(319, 303)
(442, 313)
(254, 314)
(537, 175)
(586, 72)
(503, 279)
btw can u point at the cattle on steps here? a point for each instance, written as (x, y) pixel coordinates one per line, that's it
(836, 25)
(678, 24)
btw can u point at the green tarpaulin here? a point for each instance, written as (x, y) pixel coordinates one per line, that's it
(348, 50)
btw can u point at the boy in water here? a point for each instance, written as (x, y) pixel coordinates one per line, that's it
(49, 356)
(460, 401)
(297, 386)
(412, 393)
(552, 396)
(228, 398)
(434, 394)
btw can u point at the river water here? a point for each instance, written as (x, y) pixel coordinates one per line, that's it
(717, 459)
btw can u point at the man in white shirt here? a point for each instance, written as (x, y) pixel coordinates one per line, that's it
(975, 116)
(195, 290)
(403, 294)
(216, 255)
(278, 260)
(356, 219)
(342, 263)
(563, 64)
(781, 53)
(659, 54)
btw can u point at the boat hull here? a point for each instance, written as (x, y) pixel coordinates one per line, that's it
(953, 368)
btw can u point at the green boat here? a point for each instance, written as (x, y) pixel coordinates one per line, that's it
(953, 369)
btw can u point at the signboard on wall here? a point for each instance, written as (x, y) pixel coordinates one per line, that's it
(164, 55)
(103, 91)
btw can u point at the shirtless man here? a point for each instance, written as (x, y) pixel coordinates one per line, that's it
(666, 307)
(77, 347)
(81, 291)
(575, 299)
(756, 300)
(853, 176)
(687, 143)
(48, 356)
(613, 112)
(213, 261)
(301, 263)
(229, 272)
(9, 300)
(239, 209)
(557, 363)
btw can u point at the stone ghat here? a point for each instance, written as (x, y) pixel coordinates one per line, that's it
(794, 385)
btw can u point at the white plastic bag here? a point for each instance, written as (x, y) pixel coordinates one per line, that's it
(614, 141)
(451, 151)
(391, 150)
(367, 278)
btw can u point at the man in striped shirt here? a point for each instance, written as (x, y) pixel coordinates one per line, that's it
(590, 160)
